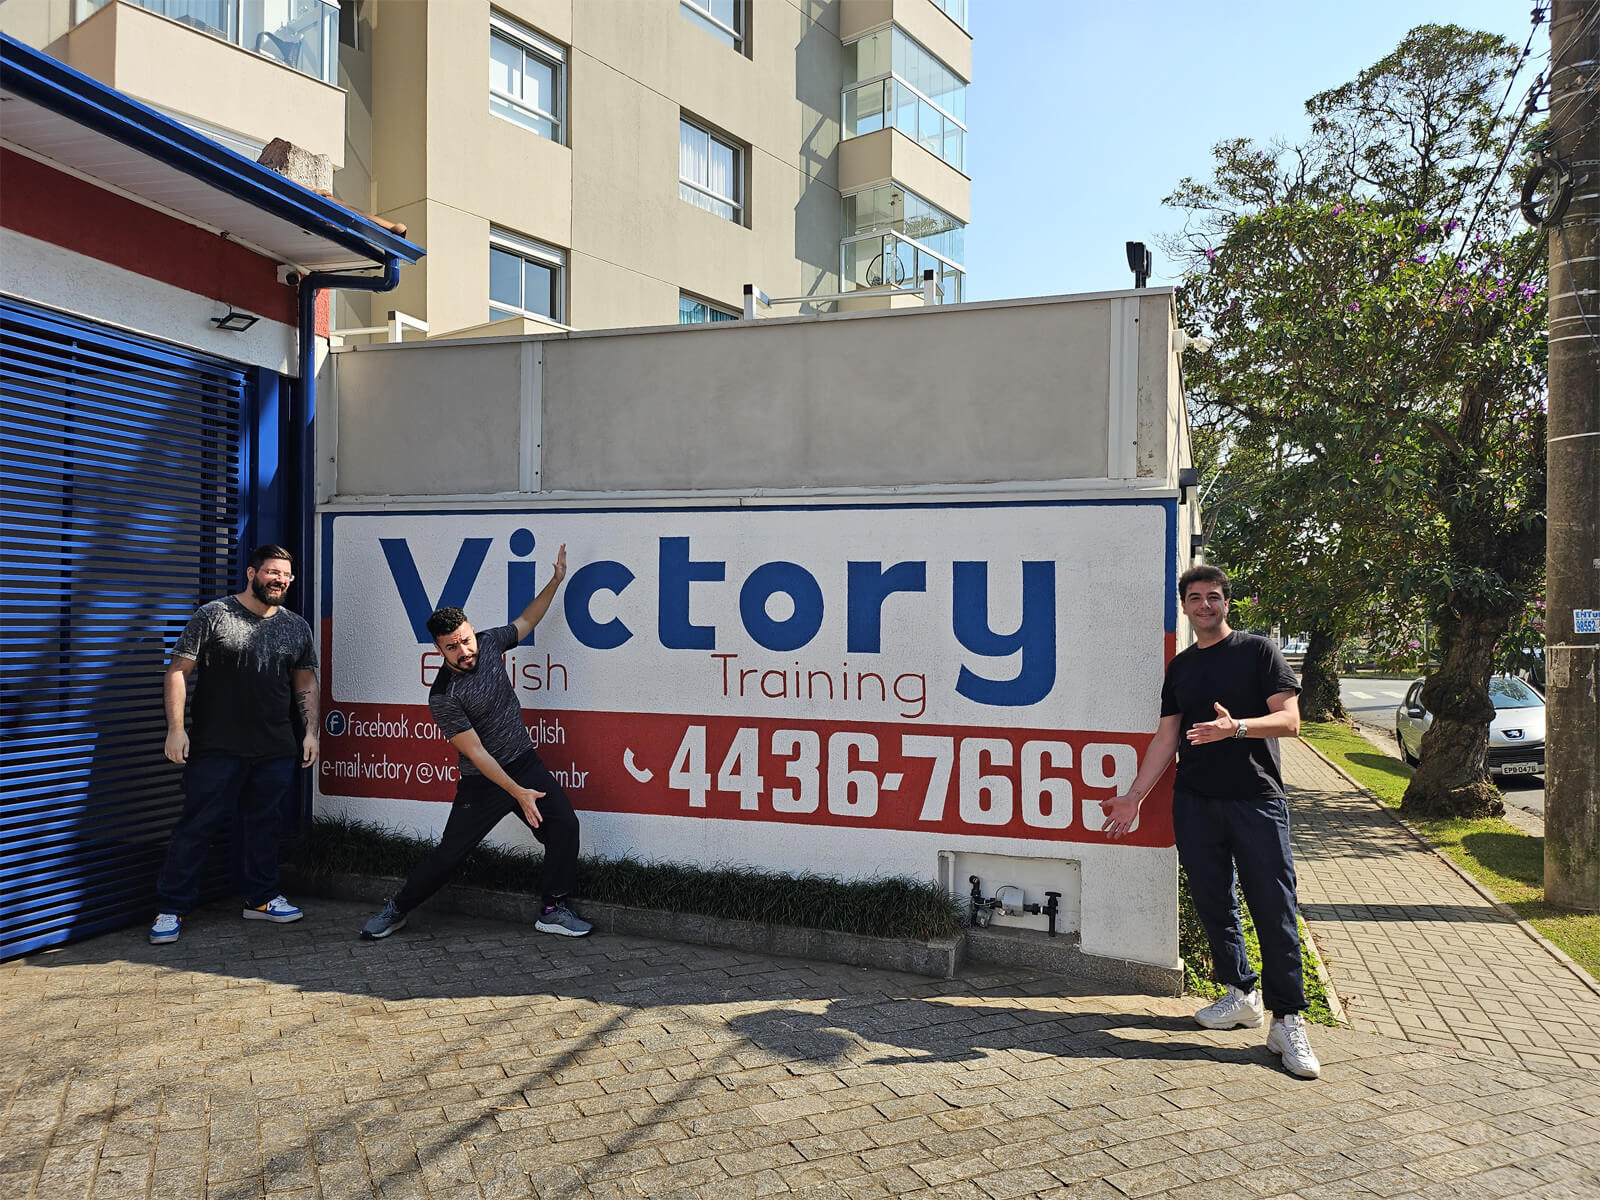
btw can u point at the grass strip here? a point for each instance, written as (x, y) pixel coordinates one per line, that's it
(1506, 861)
(888, 907)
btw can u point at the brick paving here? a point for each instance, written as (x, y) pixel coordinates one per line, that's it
(470, 1058)
(1414, 950)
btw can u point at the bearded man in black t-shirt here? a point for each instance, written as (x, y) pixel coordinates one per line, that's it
(251, 664)
(475, 706)
(1225, 702)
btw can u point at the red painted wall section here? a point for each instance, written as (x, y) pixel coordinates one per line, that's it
(76, 215)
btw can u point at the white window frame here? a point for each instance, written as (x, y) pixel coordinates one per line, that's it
(549, 256)
(711, 306)
(702, 11)
(554, 55)
(736, 203)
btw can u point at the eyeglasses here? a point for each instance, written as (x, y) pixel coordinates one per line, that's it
(283, 575)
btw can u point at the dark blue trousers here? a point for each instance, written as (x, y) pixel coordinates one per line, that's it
(1247, 838)
(218, 791)
(479, 806)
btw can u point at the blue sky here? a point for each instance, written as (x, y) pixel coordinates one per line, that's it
(1082, 115)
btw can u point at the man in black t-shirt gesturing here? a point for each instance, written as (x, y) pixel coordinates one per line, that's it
(1225, 702)
(253, 664)
(475, 706)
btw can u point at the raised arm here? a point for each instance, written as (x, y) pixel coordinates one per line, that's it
(540, 604)
(174, 692)
(1282, 720)
(527, 799)
(1121, 811)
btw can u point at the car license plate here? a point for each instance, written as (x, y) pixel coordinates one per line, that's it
(1520, 769)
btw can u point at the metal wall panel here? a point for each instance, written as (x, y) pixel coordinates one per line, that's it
(123, 493)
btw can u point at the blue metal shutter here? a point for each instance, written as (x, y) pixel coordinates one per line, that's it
(120, 509)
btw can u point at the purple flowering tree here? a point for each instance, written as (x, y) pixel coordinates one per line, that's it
(1376, 386)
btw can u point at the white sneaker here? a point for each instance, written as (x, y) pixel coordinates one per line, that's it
(1236, 1010)
(1287, 1038)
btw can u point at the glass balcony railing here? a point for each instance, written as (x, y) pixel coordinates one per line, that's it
(884, 260)
(890, 102)
(302, 34)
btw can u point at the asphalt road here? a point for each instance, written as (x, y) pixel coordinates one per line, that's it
(1371, 702)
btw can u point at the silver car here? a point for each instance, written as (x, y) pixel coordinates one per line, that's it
(1516, 735)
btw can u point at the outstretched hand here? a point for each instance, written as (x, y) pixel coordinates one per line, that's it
(1219, 730)
(1120, 814)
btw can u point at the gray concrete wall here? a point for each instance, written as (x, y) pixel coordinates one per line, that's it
(1056, 389)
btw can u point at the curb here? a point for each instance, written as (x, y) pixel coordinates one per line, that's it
(1505, 910)
(939, 959)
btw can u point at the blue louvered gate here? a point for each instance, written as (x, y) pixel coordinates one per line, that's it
(124, 495)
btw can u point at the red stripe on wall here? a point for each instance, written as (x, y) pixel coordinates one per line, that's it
(74, 214)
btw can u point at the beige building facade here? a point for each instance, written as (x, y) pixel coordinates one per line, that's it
(583, 163)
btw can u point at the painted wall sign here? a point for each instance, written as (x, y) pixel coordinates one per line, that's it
(979, 669)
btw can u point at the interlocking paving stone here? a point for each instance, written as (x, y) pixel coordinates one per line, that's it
(471, 1058)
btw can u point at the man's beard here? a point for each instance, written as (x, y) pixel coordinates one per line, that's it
(262, 591)
(466, 668)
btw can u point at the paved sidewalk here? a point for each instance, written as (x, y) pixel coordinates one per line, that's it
(469, 1058)
(1416, 952)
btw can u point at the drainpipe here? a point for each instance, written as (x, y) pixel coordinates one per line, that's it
(300, 486)
(302, 420)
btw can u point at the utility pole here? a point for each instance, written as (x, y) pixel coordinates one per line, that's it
(1572, 613)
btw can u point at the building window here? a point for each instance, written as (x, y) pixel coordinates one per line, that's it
(350, 23)
(891, 236)
(956, 10)
(892, 82)
(526, 77)
(526, 278)
(722, 19)
(710, 172)
(301, 34)
(694, 311)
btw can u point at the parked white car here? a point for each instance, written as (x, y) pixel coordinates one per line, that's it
(1516, 735)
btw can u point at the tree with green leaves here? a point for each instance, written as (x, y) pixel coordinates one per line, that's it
(1378, 348)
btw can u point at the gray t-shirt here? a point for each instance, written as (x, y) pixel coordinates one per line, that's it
(243, 679)
(483, 700)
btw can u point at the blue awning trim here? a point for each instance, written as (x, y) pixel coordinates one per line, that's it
(52, 84)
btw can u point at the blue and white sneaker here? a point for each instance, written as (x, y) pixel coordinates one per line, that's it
(165, 928)
(277, 909)
(562, 920)
(389, 920)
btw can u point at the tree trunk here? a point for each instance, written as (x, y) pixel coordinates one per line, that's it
(1452, 779)
(1319, 679)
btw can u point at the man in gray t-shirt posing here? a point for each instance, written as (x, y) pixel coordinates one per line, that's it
(475, 706)
(253, 669)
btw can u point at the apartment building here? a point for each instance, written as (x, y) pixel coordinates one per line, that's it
(583, 163)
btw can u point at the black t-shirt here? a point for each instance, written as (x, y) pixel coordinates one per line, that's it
(482, 700)
(243, 679)
(1239, 672)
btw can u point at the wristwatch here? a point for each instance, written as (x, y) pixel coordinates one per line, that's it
(1239, 730)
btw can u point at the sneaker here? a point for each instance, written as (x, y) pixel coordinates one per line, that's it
(389, 920)
(1287, 1038)
(165, 928)
(1236, 1010)
(277, 909)
(564, 921)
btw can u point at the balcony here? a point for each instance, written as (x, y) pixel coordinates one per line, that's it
(196, 61)
(300, 34)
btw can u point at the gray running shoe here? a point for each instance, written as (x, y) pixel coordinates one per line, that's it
(1287, 1039)
(564, 921)
(1235, 1010)
(388, 920)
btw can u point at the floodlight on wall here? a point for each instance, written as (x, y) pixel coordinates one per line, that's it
(1140, 260)
(1188, 477)
(1197, 544)
(234, 321)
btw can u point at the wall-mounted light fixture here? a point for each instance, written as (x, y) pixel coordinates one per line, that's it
(1188, 478)
(234, 321)
(1197, 543)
